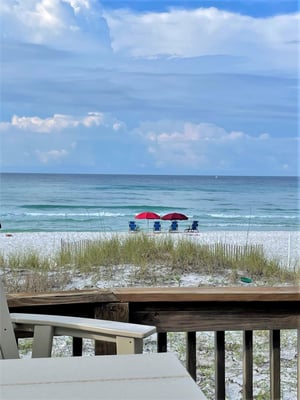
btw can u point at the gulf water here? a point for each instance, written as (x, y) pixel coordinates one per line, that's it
(70, 202)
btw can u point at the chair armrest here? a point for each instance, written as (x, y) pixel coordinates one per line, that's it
(87, 325)
(128, 337)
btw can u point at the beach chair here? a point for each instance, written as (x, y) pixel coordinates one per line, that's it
(156, 226)
(193, 227)
(133, 226)
(128, 337)
(173, 226)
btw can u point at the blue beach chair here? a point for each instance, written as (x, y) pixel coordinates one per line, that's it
(157, 226)
(173, 226)
(193, 227)
(133, 226)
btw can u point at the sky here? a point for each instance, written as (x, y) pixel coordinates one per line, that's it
(150, 87)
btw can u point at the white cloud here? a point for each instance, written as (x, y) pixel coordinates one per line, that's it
(192, 133)
(205, 31)
(235, 135)
(53, 124)
(204, 146)
(37, 21)
(82, 25)
(118, 125)
(93, 118)
(78, 5)
(72, 24)
(264, 136)
(51, 155)
(54, 73)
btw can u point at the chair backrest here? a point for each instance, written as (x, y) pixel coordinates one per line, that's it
(174, 225)
(195, 225)
(157, 226)
(132, 226)
(8, 344)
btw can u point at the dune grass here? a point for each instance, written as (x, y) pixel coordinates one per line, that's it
(150, 261)
(180, 256)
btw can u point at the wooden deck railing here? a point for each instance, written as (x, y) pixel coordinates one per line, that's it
(187, 310)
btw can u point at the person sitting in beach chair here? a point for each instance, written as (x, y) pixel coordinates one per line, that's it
(157, 226)
(193, 227)
(133, 226)
(173, 226)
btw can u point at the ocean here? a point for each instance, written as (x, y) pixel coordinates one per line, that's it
(106, 203)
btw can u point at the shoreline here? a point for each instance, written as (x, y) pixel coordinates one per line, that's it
(282, 245)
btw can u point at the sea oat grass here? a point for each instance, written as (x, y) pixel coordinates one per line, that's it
(29, 260)
(151, 260)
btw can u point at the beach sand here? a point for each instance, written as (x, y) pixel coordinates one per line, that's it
(281, 245)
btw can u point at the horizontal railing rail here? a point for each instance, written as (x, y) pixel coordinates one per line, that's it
(188, 310)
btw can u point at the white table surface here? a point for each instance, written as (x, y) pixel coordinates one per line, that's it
(154, 376)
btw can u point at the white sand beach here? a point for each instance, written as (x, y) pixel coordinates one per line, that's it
(281, 245)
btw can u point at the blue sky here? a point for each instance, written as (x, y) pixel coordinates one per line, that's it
(150, 87)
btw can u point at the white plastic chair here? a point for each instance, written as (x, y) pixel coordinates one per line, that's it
(128, 337)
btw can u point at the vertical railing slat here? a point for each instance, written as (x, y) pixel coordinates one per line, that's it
(298, 365)
(191, 354)
(77, 346)
(275, 364)
(247, 365)
(220, 365)
(162, 342)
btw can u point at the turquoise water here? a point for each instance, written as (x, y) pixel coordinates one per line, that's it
(62, 202)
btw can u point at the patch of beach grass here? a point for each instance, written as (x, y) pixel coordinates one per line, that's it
(143, 260)
(28, 260)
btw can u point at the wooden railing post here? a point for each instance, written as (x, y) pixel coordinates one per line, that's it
(77, 347)
(220, 365)
(162, 342)
(113, 312)
(247, 365)
(298, 364)
(275, 364)
(191, 354)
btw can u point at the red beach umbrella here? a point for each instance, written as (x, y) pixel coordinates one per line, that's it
(174, 216)
(147, 215)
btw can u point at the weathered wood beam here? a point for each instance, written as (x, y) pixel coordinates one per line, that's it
(234, 294)
(170, 317)
(55, 298)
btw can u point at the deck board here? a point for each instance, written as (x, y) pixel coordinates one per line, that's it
(158, 294)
